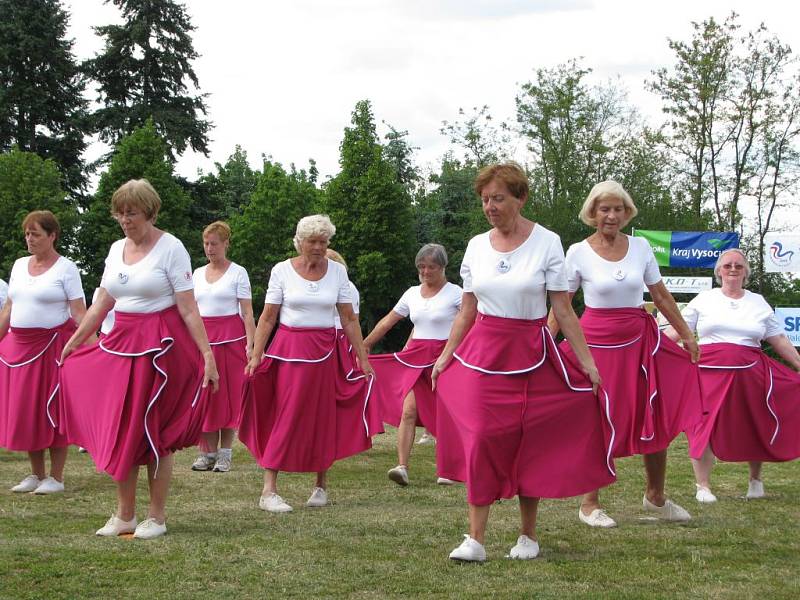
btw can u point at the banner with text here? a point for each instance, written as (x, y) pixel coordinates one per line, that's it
(782, 253)
(698, 249)
(789, 319)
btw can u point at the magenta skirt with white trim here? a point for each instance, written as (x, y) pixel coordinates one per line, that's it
(753, 406)
(652, 384)
(29, 395)
(229, 346)
(525, 419)
(136, 395)
(291, 420)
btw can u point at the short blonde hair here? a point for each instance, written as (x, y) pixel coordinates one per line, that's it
(602, 190)
(139, 194)
(718, 265)
(313, 225)
(221, 228)
(336, 257)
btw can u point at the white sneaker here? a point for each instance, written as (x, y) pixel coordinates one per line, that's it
(426, 438)
(445, 481)
(755, 489)
(149, 529)
(27, 485)
(49, 485)
(204, 462)
(669, 512)
(704, 495)
(525, 549)
(319, 497)
(469, 550)
(399, 475)
(597, 518)
(223, 464)
(274, 504)
(116, 526)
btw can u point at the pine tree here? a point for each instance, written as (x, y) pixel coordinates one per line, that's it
(42, 108)
(145, 71)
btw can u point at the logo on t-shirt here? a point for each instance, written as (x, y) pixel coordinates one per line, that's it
(187, 276)
(503, 266)
(123, 278)
(312, 287)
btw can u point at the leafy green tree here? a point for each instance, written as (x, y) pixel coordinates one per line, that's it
(141, 155)
(27, 182)
(42, 108)
(227, 191)
(372, 212)
(475, 133)
(145, 71)
(262, 233)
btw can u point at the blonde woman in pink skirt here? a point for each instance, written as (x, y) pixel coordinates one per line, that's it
(45, 301)
(528, 422)
(222, 291)
(290, 420)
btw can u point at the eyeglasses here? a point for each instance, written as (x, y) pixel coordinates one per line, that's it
(732, 267)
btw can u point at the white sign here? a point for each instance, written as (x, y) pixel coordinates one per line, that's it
(789, 319)
(782, 253)
(685, 284)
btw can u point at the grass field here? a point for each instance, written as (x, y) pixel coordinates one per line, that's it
(378, 540)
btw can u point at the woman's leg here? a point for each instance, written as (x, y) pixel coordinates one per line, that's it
(589, 503)
(126, 495)
(322, 479)
(159, 487)
(58, 458)
(226, 438)
(478, 517)
(755, 470)
(408, 426)
(702, 468)
(528, 508)
(211, 439)
(37, 463)
(270, 482)
(655, 466)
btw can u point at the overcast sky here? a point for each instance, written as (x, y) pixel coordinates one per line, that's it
(283, 77)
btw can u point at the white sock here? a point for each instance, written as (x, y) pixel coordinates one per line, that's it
(227, 452)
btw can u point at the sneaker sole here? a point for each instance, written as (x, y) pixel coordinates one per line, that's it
(198, 469)
(397, 478)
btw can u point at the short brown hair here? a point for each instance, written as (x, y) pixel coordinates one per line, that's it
(44, 219)
(137, 193)
(221, 228)
(510, 173)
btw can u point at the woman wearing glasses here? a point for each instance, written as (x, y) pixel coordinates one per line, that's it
(753, 401)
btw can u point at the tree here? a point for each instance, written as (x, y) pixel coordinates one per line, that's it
(262, 233)
(145, 71)
(372, 213)
(42, 108)
(29, 183)
(141, 155)
(477, 136)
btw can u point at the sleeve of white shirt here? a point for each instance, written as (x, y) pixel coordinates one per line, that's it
(179, 268)
(356, 298)
(345, 294)
(402, 308)
(466, 269)
(72, 283)
(652, 274)
(460, 298)
(691, 314)
(243, 291)
(572, 268)
(555, 274)
(275, 286)
(773, 327)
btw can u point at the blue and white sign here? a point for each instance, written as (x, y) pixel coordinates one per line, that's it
(789, 318)
(782, 253)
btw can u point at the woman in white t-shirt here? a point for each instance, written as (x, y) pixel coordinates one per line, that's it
(752, 401)
(403, 384)
(45, 301)
(141, 393)
(289, 418)
(222, 291)
(652, 384)
(3, 293)
(525, 421)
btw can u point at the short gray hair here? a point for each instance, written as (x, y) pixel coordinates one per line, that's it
(436, 252)
(718, 265)
(313, 225)
(603, 189)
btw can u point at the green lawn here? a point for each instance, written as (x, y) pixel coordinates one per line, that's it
(379, 540)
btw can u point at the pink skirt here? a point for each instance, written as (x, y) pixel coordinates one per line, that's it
(291, 418)
(229, 345)
(753, 406)
(355, 398)
(524, 418)
(135, 396)
(653, 386)
(29, 396)
(399, 373)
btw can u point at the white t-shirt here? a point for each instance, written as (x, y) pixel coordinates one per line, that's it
(717, 318)
(108, 323)
(221, 298)
(514, 284)
(307, 303)
(149, 285)
(432, 317)
(3, 292)
(612, 284)
(337, 320)
(43, 300)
